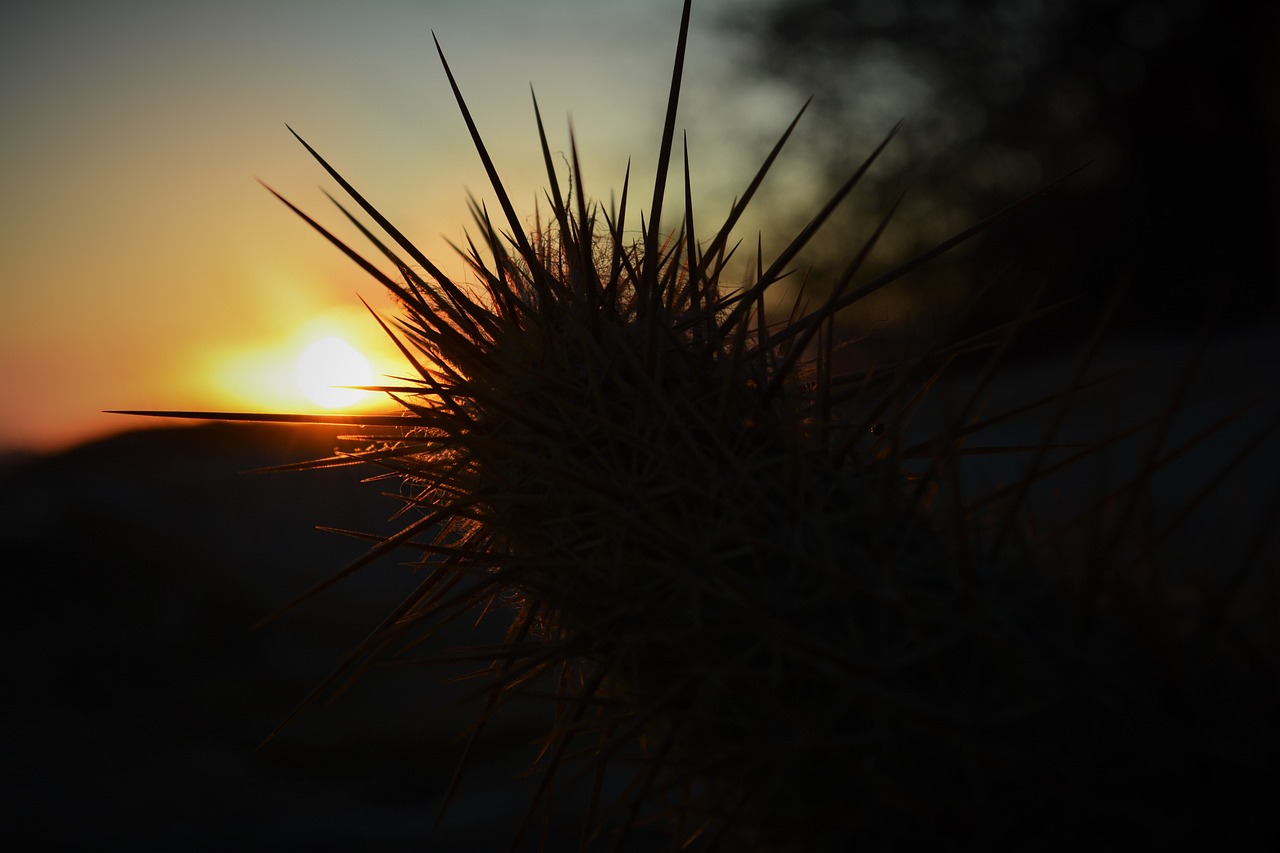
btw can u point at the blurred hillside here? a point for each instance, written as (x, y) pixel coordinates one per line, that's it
(137, 695)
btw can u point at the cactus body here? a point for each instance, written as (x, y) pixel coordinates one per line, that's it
(739, 568)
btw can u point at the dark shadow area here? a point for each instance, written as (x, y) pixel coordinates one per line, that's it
(1171, 106)
(138, 695)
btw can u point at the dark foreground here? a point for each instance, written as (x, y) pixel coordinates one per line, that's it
(137, 695)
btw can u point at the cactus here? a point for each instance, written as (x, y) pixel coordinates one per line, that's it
(756, 593)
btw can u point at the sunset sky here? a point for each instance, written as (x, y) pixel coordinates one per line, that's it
(141, 266)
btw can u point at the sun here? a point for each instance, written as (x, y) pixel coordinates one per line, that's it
(331, 362)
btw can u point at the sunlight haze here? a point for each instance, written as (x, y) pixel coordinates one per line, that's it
(142, 267)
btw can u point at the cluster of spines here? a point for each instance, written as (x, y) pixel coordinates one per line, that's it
(513, 392)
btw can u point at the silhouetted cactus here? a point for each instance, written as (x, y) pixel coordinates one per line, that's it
(748, 573)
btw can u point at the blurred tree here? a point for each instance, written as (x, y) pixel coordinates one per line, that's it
(1172, 103)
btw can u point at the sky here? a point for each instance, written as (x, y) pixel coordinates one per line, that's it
(143, 267)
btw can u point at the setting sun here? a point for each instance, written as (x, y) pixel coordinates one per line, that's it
(331, 362)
